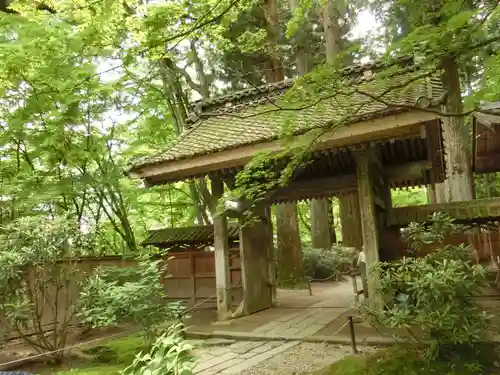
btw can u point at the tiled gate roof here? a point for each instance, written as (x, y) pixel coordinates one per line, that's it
(258, 115)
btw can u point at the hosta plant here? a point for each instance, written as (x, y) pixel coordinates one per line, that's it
(169, 355)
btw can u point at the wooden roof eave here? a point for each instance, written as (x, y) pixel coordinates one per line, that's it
(385, 127)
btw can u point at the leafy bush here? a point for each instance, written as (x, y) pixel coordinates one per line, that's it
(115, 296)
(34, 282)
(170, 355)
(321, 264)
(433, 293)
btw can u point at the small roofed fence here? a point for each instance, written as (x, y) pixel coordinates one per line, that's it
(188, 237)
(191, 265)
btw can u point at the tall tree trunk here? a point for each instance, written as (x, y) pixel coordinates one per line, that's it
(350, 216)
(348, 209)
(321, 223)
(322, 226)
(459, 185)
(333, 32)
(289, 245)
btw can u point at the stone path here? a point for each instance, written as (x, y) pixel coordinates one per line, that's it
(238, 357)
(300, 324)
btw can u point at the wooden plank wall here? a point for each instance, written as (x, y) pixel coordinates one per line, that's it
(485, 245)
(192, 277)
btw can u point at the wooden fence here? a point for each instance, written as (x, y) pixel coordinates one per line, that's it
(190, 278)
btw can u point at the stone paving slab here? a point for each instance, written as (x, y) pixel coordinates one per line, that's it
(239, 357)
(255, 360)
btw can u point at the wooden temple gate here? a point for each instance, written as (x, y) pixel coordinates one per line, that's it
(382, 147)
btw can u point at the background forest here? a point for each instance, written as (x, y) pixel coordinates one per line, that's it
(86, 86)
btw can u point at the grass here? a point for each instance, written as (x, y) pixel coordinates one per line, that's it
(110, 358)
(403, 360)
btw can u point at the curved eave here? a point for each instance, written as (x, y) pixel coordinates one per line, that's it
(383, 128)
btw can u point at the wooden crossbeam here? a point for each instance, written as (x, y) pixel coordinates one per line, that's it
(461, 211)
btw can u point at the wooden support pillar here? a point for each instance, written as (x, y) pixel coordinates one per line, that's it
(431, 194)
(271, 259)
(369, 221)
(222, 260)
(255, 268)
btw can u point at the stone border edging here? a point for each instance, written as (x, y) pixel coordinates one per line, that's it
(250, 336)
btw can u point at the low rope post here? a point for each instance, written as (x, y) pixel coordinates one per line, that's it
(353, 336)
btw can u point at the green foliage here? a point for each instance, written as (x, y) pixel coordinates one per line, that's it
(331, 264)
(34, 276)
(170, 355)
(410, 197)
(266, 172)
(115, 296)
(433, 293)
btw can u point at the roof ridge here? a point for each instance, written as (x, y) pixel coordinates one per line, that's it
(240, 94)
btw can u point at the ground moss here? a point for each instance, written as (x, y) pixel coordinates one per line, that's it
(403, 360)
(109, 358)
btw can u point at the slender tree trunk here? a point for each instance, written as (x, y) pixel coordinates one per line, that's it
(289, 245)
(200, 72)
(176, 100)
(459, 185)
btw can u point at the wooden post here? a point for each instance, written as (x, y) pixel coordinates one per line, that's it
(221, 245)
(369, 224)
(271, 257)
(353, 336)
(192, 262)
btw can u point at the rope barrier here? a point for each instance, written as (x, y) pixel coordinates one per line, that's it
(44, 354)
(116, 335)
(340, 329)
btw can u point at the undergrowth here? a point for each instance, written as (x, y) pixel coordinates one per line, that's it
(406, 360)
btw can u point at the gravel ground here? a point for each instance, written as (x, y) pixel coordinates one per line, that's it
(303, 358)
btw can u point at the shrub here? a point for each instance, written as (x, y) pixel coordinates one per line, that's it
(433, 293)
(115, 296)
(170, 355)
(321, 264)
(34, 283)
